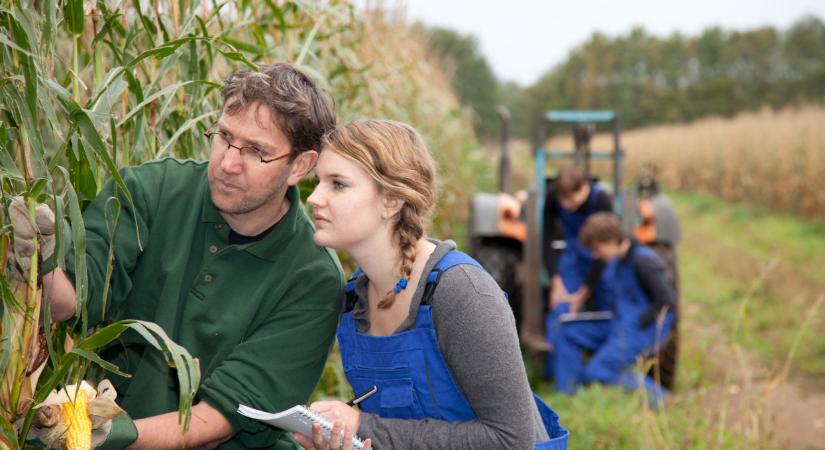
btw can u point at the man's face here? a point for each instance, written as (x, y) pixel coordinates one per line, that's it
(605, 251)
(242, 184)
(573, 201)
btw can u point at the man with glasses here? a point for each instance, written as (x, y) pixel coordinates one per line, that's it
(220, 255)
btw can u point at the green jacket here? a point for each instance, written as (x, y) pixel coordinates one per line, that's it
(260, 317)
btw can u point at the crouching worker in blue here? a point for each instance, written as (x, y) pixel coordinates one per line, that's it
(579, 282)
(423, 322)
(642, 320)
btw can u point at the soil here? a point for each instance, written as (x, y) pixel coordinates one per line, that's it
(787, 412)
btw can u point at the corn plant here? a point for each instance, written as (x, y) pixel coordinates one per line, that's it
(89, 87)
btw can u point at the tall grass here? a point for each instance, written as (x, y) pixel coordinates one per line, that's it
(89, 87)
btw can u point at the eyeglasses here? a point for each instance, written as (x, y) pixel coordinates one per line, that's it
(250, 154)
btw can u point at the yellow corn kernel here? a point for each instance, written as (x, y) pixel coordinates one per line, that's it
(78, 424)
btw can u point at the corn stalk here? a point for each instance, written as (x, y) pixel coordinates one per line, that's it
(89, 87)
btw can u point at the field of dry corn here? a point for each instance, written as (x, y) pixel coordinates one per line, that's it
(774, 159)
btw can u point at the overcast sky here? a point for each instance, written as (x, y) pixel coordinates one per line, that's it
(522, 39)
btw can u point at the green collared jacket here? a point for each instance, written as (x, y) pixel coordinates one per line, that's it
(260, 317)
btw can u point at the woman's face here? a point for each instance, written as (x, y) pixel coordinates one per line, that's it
(347, 206)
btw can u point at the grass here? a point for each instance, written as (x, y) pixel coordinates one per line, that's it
(728, 246)
(739, 321)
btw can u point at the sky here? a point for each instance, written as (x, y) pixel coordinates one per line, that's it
(523, 39)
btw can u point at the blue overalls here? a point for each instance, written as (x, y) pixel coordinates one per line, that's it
(576, 260)
(616, 342)
(574, 266)
(413, 379)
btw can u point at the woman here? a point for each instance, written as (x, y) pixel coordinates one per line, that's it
(446, 359)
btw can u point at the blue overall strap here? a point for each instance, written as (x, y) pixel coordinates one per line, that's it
(349, 291)
(450, 259)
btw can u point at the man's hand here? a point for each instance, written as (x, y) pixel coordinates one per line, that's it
(558, 293)
(578, 298)
(25, 231)
(208, 429)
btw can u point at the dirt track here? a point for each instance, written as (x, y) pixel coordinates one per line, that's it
(749, 395)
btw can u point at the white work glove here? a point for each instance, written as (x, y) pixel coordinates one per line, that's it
(25, 231)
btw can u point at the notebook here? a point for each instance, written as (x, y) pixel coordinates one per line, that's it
(585, 315)
(297, 419)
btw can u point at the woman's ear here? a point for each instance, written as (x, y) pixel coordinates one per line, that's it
(392, 205)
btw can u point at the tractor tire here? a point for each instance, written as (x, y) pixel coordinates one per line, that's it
(501, 261)
(665, 360)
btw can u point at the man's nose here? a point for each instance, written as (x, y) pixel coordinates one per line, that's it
(232, 161)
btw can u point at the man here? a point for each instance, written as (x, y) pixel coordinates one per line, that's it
(576, 277)
(577, 281)
(221, 256)
(643, 294)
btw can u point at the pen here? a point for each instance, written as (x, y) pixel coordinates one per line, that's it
(360, 398)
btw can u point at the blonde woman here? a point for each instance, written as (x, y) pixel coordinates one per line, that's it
(423, 322)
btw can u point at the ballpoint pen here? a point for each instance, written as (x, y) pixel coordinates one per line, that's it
(360, 398)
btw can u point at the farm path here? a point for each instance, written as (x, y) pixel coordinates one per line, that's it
(790, 410)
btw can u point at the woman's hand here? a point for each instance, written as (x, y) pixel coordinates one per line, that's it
(346, 421)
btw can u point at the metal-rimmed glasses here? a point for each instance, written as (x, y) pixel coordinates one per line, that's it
(250, 154)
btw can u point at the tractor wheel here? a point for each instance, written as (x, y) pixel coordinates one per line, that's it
(667, 356)
(664, 362)
(501, 260)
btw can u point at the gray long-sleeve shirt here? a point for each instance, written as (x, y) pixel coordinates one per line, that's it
(477, 336)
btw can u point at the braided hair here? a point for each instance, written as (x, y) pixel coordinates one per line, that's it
(396, 158)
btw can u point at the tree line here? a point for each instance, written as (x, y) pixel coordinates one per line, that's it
(649, 79)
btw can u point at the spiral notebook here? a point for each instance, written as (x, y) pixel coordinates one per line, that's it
(297, 419)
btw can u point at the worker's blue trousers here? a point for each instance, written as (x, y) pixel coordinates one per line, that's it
(616, 345)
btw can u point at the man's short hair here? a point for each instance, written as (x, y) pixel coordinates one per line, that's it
(571, 178)
(601, 227)
(302, 111)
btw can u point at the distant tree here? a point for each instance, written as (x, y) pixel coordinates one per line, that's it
(473, 80)
(650, 79)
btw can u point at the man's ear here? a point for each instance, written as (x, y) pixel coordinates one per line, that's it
(303, 163)
(392, 205)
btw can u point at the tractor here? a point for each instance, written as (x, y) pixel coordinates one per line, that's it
(506, 230)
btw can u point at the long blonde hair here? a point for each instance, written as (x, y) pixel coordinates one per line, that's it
(396, 158)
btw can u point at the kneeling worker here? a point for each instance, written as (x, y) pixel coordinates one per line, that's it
(643, 316)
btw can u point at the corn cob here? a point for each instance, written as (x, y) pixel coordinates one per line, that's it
(79, 426)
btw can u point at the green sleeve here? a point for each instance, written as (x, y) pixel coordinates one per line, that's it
(130, 233)
(279, 364)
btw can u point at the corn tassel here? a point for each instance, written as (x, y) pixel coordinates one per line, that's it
(79, 426)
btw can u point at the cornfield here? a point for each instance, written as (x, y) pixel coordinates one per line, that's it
(775, 159)
(89, 87)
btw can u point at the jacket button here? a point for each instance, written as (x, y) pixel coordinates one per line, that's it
(218, 226)
(213, 249)
(207, 278)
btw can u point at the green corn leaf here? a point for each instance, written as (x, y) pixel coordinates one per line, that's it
(188, 125)
(73, 11)
(81, 282)
(8, 43)
(50, 19)
(92, 356)
(102, 336)
(92, 137)
(102, 110)
(161, 93)
(111, 226)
